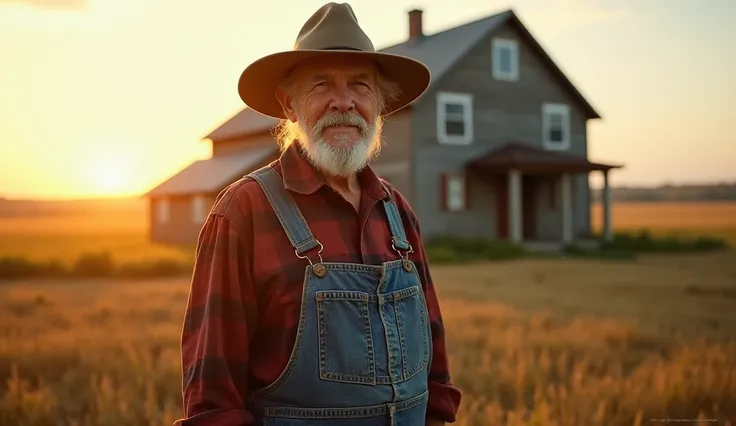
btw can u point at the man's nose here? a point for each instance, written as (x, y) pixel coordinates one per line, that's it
(342, 100)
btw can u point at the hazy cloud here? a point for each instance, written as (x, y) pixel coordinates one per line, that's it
(590, 12)
(561, 16)
(49, 4)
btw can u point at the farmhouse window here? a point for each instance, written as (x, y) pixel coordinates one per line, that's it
(505, 59)
(454, 192)
(556, 126)
(162, 210)
(199, 209)
(454, 118)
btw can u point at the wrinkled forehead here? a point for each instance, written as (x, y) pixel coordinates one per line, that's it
(348, 66)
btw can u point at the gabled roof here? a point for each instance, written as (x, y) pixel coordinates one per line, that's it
(213, 174)
(439, 51)
(243, 123)
(528, 158)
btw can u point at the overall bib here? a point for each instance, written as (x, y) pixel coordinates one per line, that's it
(363, 345)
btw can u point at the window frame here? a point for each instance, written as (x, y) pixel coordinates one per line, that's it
(447, 180)
(198, 209)
(497, 44)
(548, 109)
(163, 210)
(464, 99)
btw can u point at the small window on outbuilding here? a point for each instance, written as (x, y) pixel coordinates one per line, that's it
(199, 209)
(163, 210)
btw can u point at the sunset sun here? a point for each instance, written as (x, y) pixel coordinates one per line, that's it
(111, 175)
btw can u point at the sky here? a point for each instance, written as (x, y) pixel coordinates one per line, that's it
(109, 98)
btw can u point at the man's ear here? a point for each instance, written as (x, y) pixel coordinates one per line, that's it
(286, 103)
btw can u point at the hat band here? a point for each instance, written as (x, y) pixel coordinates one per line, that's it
(342, 48)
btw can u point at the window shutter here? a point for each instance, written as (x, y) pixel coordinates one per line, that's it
(443, 192)
(466, 192)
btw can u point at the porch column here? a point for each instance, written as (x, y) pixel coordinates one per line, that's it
(607, 230)
(566, 186)
(515, 223)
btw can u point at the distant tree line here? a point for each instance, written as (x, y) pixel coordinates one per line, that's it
(711, 192)
(61, 208)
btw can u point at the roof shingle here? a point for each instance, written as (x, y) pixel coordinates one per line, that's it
(213, 174)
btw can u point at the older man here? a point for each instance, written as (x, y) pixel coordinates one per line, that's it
(311, 301)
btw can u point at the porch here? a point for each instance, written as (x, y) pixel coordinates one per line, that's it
(521, 175)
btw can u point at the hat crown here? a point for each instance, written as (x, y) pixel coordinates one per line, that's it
(332, 30)
(333, 26)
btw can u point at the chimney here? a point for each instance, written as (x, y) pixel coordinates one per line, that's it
(415, 25)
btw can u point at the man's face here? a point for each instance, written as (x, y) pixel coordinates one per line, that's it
(335, 106)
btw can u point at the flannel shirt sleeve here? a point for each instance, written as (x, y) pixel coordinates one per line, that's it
(218, 327)
(444, 397)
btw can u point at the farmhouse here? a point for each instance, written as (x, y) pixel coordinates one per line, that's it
(496, 148)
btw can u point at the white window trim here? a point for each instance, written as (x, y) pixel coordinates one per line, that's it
(466, 99)
(463, 202)
(163, 210)
(199, 213)
(513, 46)
(551, 108)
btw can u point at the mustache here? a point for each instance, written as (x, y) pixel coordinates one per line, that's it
(341, 119)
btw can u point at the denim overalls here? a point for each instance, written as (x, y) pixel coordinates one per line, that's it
(363, 345)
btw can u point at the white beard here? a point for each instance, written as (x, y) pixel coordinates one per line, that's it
(339, 159)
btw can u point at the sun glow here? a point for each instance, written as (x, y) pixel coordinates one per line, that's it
(111, 176)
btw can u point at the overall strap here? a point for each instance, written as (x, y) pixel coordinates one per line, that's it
(286, 210)
(398, 236)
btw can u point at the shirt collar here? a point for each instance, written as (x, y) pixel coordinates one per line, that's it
(300, 176)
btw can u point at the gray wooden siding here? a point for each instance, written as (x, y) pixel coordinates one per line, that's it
(502, 111)
(394, 161)
(180, 229)
(476, 222)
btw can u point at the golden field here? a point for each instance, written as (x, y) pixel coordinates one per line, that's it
(123, 231)
(532, 342)
(687, 219)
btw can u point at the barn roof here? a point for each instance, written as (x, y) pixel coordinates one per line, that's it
(211, 175)
(439, 51)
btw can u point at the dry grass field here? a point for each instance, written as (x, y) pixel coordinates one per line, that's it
(713, 219)
(532, 342)
(123, 231)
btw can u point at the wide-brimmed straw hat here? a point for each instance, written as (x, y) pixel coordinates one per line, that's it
(333, 29)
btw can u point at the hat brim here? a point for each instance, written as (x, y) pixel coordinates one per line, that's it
(258, 82)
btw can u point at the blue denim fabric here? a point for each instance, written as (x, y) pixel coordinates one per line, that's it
(363, 345)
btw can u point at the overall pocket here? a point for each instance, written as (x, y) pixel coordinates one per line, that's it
(412, 324)
(346, 352)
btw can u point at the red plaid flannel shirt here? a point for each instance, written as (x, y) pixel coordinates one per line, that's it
(243, 308)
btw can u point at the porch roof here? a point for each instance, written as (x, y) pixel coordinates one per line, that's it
(213, 174)
(528, 158)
